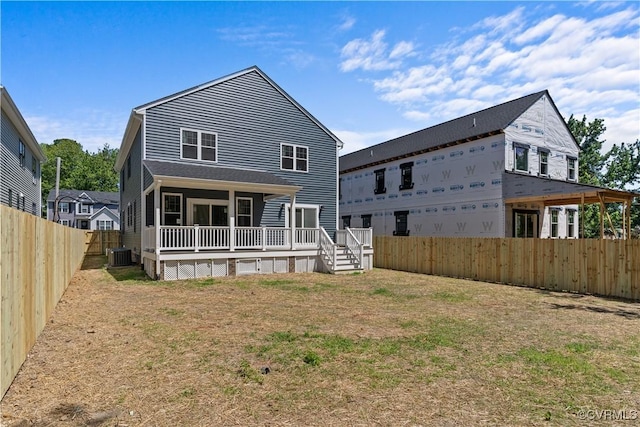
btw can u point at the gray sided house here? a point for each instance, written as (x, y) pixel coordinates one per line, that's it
(210, 177)
(87, 210)
(21, 159)
(507, 171)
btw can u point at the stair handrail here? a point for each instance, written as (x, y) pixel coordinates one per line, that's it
(328, 251)
(354, 246)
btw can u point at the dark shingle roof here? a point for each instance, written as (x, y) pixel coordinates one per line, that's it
(104, 197)
(214, 173)
(488, 121)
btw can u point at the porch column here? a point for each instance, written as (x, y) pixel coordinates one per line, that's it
(292, 216)
(156, 222)
(232, 220)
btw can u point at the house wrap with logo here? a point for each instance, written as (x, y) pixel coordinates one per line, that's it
(470, 177)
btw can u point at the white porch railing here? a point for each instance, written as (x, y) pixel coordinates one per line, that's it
(197, 238)
(364, 236)
(328, 250)
(354, 246)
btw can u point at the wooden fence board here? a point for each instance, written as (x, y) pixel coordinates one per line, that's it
(37, 260)
(590, 266)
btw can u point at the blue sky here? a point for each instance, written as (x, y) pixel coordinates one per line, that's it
(369, 71)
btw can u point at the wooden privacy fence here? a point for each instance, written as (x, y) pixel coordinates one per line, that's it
(37, 260)
(588, 266)
(99, 241)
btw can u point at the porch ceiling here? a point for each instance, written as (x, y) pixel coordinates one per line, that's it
(518, 188)
(219, 178)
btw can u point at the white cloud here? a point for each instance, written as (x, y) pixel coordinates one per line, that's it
(373, 54)
(354, 140)
(347, 23)
(588, 63)
(92, 129)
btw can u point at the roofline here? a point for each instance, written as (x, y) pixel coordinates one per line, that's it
(16, 118)
(553, 104)
(422, 151)
(133, 125)
(142, 109)
(235, 185)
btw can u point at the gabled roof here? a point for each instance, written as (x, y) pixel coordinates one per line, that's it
(487, 122)
(12, 112)
(101, 197)
(138, 112)
(113, 214)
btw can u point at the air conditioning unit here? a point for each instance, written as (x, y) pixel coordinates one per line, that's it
(119, 257)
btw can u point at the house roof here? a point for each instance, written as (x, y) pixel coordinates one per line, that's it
(214, 173)
(138, 112)
(102, 197)
(480, 124)
(10, 109)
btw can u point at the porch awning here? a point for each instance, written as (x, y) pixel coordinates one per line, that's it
(519, 188)
(215, 177)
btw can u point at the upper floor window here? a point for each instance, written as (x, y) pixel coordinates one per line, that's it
(554, 222)
(294, 157)
(105, 225)
(199, 145)
(521, 157)
(85, 208)
(34, 169)
(129, 166)
(402, 223)
(406, 176)
(571, 168)
(544, 162)
(380, 188)
(122, 179)
(21, 152)
(63, 207)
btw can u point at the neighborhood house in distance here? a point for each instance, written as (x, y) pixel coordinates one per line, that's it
(507, 171)
(87, 210)
(21, 158)
(233, 177)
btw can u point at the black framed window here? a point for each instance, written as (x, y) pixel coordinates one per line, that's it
(521, 157)
(402, 228)
(380, 188)
(21, 152)
(366, 221)
(346, 221)
(406, 176)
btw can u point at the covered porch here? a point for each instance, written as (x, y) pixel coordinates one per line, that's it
(229, 217)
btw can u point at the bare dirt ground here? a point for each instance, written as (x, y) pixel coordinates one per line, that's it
(381, 348)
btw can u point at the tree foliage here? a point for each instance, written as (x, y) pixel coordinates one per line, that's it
(619, 168)
(79, 169)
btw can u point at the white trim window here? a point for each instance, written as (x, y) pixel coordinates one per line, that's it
(244, 211)
(172, 209)
(307, 216)
(104, 224)
(198, 145)
(294, 157)
(571, 168)
(85, 208)
(571, 223)
(63, 207)
(544, 162)
(554, 222)
(65, 222)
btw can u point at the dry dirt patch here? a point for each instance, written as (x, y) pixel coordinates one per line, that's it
(381, 348)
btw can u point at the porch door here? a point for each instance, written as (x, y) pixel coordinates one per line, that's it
(202, 214)
(525, 224)
(219, 216)
(208, 212)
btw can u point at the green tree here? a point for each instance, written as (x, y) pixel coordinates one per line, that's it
(623, 173)
(79, 169)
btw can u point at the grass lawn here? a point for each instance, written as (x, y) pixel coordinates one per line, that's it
(380, 348)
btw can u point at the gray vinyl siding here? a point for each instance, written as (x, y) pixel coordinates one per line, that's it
(132, 194)
(18, 179)
(251, 119)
